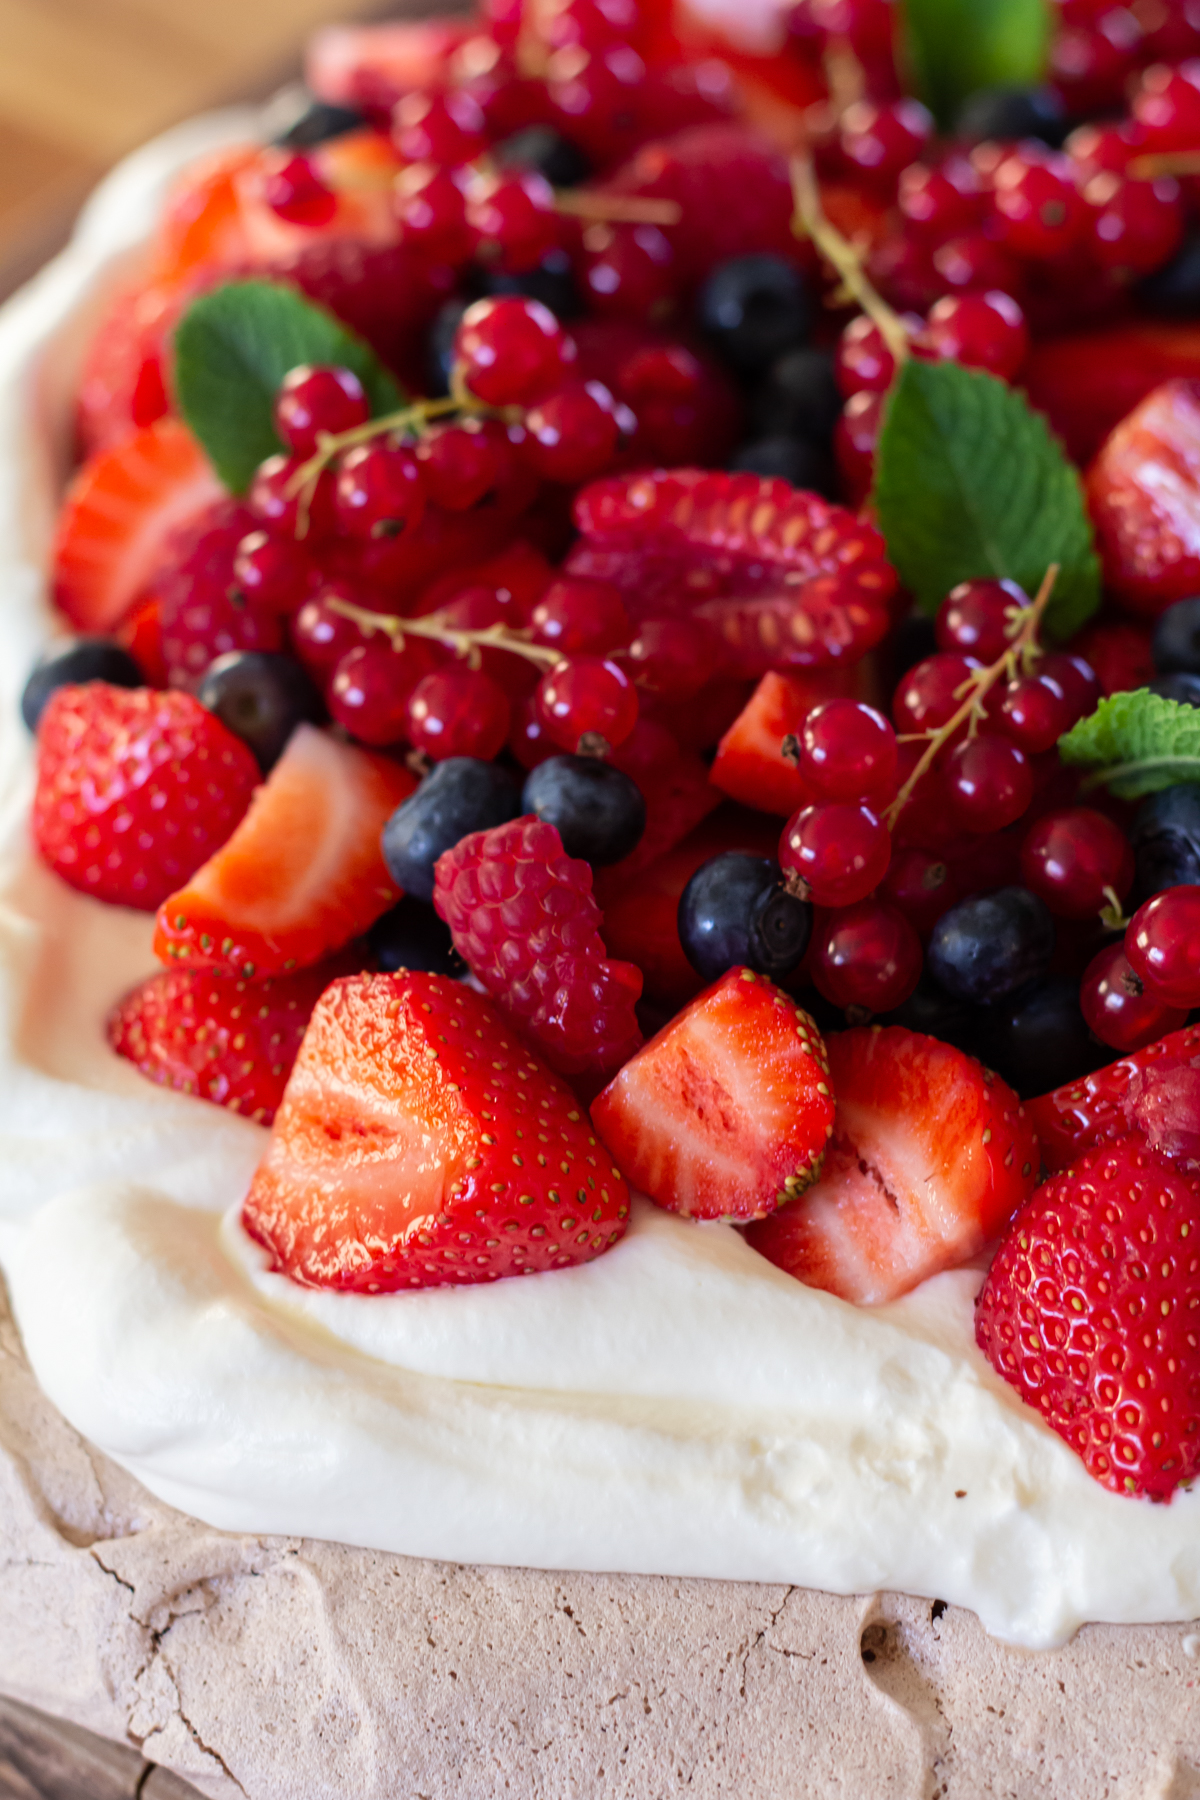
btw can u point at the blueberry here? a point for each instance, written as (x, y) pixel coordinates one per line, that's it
(261, 696)
(736, 911)
(1166, 840)
(1181, 686)
(296, 120)
(798, 398)
(458, 796)
(1176, 641)
(412, 936)
(753, 308)
(542, 148)
(552, 282)
(597, 811)
(1037, 1038)
(1173, 292)
(931, 1010)
(439, 345)
(83, 659)
(992, 944)
(1012, 113)
(789, 459)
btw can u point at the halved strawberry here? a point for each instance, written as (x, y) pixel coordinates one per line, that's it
(201, 226)
(1143, 492)
(302, 874)
(726, 1113)
(931, 1156)
(119, 511)
(1156, 1092)
(1136, 357)
(750, 764)
(421, 1144)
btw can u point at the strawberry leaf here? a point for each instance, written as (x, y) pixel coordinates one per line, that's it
(234, 346)
(969, 482)
(956, 46)
(1137, 743)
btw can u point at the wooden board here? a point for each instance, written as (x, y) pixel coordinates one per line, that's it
(44, 1759)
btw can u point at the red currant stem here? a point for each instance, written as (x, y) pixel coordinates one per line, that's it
(976, 688)
(332, 443)
(465, 643)
(616, 209)
(1112, 916)
(1163, 162)
(845, 258)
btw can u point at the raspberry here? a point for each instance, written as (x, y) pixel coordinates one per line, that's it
(203, 608)
(522, 914)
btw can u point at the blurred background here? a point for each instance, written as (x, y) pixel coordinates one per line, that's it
(84, 81)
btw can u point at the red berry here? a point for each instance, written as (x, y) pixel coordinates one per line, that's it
(1038, 211)
(922, 885)
(879, 141)
(941, 203)
(511, 351)
(855, 438)
(931, 693)
(293, 189)
(431, 206)
(672, 658)
(573, 433)
(1166, 106)
(975, 264)
(458, 712)
(988, 783)
(514, 219)
(1034, 713)
(272, 572)
(1077, 679)
(371, 686)
(1119, 1008)
(1135, 226)
(459, 464)
(528, 738)
(274, 498)
(839, 853)
(1076, 861)
(316, 399)
(1096, 148)
(575, 614)
(979, 618)
(982, 331)
(203, 610)
(447, 129)
(320, 636)
(848, 752)
(629, 271)
(864, 363)
(522, 915)
(380, 490)
(1091, 61)
(1162, 943)
(584, 696)
(868, 956)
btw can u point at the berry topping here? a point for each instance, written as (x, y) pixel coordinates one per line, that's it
(753, 309)
(1144, 499)
(726, 1113)
(419, 1144)
(834, 854)
(735, 911)
(866, 956)
(458, 711)
(848, 752)
(992, 944)
(316, 400)
(380, 490)
(1077, 861)
(511, 351)
(584, 699)
(1118, 1006)
(1163, 945)
(261, 698)
(458, 797)
(1154, 1092)
(597, 810)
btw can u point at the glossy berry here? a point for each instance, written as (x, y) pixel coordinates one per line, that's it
(976, 264)
(261, 697)
(1166, 840)
(572, 434)
(1163, 945)
(834, 854)
(1034, 712)
(848, 752)
(978, 618)
(576, 614)
(864, 364)
(514, 219)
(988, 783)
(431, 208)
(1176, 642)
(855, 439)
(1077, 679)
(459, 465)
(736, 913)
(411, 936)
(292, 188)
(1182, 687)
(982, 331)
(458, 711)
(511, 352)
(1118, 1006)
(867, 956)
(754, 308)
(879, 141)
(72, 664)
(457, 797)
(316, 399)
(1037, 209)
(272, 572)
(448, 129)
(940, 203)
(371, 684)
(922, 885)
(1134, 227)
(931, 692)
(1166, 105)
(380, 490)
(586, 697)
(629, 271)
(991, 944)
(320, 636)
(1076, 861)
(597, 810)
(672, 658)
(275, 498)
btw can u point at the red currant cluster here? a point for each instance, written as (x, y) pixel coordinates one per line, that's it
(1138, 990)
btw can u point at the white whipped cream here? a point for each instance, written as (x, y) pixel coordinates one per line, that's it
(678, 1407)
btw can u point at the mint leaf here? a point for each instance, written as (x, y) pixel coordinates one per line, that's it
(969, 482)
(234, 346)
(1137, 742)
(955, 46)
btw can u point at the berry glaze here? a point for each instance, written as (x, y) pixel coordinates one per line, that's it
(601, 841)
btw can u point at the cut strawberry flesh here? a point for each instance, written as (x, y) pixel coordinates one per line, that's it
(750, 764)
(1155, 1092)
(1144, 495)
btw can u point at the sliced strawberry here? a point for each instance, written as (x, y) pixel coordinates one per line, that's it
(302, 874)
(1060, 376)
(1144, 496)
(750, 763)
(407, 1150)
(726, 1113)
(931, 1156)
(201, 225)
(1156, 1092)
(119, 511)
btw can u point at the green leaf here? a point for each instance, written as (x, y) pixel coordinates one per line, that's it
(234, 346)
(1137, 742)
(969, 482)
(953, 47)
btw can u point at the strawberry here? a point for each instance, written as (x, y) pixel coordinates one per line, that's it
(726, 1113)
(200, 229)
(1089, 1311)
(1156, 1092)
(931, 1155)
(1143, 492)
(135, 789)
(750, 764)
(678, 796)
(421, 1144)
(123, 386)
(302, 874)
(119, 511)
(372, 66)
(221, 1038)
(1137, 356)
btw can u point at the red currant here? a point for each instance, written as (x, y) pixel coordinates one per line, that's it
(275, 499)
(458, 712)
(371, 686)
(447, 129)
(868, 956)
(596, 93)
(1119, 1008)
(514, 219)
(672, 658)
(1095, 148)
(864, 363)
(879, 141)
(941, 203)
(922, 885)
(573, 433)
(272, 572)
(989, 783)
(1172, 33)
(511, 351)
(1038, 211)
(1090, 63)
(1076, 678)
(839, 854)
(976, 264)
(1166, 106)
(629, 271)
(431, 208)
(320, 636)
(380, 490)
(528, 740)
(1135, 226)
(1162, 943)
(1034, 713)
(931, 692)
(313, 400)
(292, 188)
(855, 439)
(1076, 861)
(475, 609)
(458, 464)
(982, 331)
(576, 614)
(979, 617)
(848, 752)
(587, 697)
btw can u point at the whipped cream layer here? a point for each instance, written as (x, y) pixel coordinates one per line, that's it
(678, 1407)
